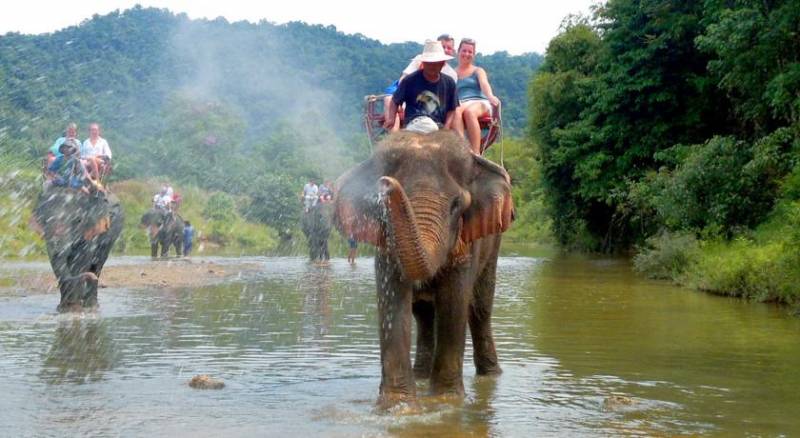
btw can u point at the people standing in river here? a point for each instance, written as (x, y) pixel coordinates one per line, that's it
(474, 94)
(353, 244)
(188, 237)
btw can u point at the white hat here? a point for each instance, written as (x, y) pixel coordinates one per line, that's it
(433, 52)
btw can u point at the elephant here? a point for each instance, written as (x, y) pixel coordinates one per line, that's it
(436, 213)
(316, 225)
(79, 231)
(164, 228)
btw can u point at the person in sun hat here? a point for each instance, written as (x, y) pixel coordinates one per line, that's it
(447, 44)
(429, 95)
(67, 169)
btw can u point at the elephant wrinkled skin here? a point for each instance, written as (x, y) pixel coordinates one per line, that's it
(164, 228)
(436, 213)
(79, 231)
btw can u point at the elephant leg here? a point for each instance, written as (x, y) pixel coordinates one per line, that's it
(423, 359)
(480, 323)
(394, 318)
(179, 246)
(452, 304)
(153, 249)
(164, 248)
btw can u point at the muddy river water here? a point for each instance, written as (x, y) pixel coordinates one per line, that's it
(587, 348)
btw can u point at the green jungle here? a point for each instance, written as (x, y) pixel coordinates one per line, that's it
(668, 131)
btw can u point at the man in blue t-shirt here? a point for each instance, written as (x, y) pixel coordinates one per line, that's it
(188, 237)
(430, 96)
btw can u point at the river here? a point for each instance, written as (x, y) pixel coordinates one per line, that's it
(587, 348)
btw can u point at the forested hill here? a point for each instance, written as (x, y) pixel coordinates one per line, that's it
(138, 72)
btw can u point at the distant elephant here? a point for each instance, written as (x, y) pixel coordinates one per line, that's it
(79, 231)
(436, 213)
(164, 228)
(316, 225)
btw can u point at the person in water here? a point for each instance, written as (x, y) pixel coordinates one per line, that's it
(188, 237)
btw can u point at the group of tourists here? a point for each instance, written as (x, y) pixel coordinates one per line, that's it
(78, 165)
(313, 194)
(437, 96)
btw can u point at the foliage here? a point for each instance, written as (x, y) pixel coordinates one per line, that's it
(220, 207)
(231, 235)
(18, 189)
(667, 256)
(659, 114)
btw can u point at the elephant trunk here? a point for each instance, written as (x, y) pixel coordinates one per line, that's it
(416, 236)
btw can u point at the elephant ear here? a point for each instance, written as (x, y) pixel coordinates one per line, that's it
(357, 206)
(492, 209)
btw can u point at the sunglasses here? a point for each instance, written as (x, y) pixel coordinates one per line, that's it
(467, 41)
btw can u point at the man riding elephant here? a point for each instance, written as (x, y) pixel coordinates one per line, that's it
(79, 230)
(164, 228)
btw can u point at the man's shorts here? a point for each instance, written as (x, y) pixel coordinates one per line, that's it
(422, 125)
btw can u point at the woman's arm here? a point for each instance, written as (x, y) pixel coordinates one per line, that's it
(483, 80)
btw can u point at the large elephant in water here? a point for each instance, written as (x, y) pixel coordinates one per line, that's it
(164, 228)
(316, 225)
(79, 231)
(436, 213)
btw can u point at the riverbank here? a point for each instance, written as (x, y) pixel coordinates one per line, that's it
(37, 278)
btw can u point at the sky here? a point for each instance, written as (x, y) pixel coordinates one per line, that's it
(516, 26)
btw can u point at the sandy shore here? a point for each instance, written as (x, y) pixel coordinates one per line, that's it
(149, 274)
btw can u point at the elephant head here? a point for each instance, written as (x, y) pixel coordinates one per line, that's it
(425, 199)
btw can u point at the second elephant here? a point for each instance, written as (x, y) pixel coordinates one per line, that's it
(316, 225)
(164, 228)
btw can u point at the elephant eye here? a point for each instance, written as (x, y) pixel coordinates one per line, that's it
(455, 205)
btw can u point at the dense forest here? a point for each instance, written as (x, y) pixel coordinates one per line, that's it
(673, 127)
(251, 109)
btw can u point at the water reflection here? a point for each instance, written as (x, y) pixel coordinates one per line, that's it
(315, 286)
(81, 352)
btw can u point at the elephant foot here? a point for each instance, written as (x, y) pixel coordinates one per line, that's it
(454, 390)
(69, 308)
(491, 370)
(397, 403)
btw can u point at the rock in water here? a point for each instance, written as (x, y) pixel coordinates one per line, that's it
(204, 381)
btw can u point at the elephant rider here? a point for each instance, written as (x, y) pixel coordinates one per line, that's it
(447, 44)
(429, 95)
(162, 200)
(95, 153)
(66, 170)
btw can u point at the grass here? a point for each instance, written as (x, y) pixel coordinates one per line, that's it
(762, 265)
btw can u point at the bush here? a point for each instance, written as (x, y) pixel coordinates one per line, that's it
(220, 207)
(667, 255)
